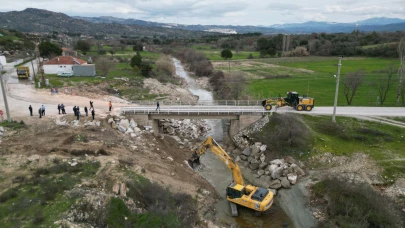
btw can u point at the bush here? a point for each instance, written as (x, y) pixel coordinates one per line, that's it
(286, 132)
(357, 205)
(116, 213)
(165, 64)
(298, 52)
(102, 52)
(330, 128)
(38, 217)
(9, 194)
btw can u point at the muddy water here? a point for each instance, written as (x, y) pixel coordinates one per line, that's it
(220, 176)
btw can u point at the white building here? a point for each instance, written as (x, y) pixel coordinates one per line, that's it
(3, 60)
(62, 64)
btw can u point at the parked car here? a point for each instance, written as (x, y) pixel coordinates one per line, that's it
(65, 74)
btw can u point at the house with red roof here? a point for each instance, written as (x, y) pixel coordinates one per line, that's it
(62, 64)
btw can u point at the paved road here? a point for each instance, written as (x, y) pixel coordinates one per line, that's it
(249, 110)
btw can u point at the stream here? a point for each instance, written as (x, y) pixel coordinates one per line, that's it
(220, 176)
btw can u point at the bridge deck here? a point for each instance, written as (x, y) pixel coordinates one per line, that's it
(220, 110)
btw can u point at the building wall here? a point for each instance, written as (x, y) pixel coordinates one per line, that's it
(55, 69)
(3, 60)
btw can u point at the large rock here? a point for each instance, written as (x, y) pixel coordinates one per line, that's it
(254, 166)
(133, 123)
(129, 131)
(122, 129)
(289, 159)
(1, 129)
(243, 157)
(110, 120)
(237, 158)
(123, 190)
(275, 184)
(260, 172)
(116, 188)
(284, 182)
(265, 181)
(297, 170)
(263, 165)
(277, 173)
(170, 130)
(292, 178)
(272, 168)
(263, 148)
(262, 157)
(137, 130)
(255, 150)
(124, 124)
(278, 162)
(113, 125)
(247, 152)
(236, 152)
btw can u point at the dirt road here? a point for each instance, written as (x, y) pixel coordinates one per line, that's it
(22, 93)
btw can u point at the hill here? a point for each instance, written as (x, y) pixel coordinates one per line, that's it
(37, 20)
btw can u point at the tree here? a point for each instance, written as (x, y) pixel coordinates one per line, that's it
(112, 51)
(104, 65)
(271, 51)
(401, 70)
(145, 68)
(351, 82)
(101, 52)
(384, 84)
(262, 44)
(48, 49)
(227, 54)
(83, 46)
(136, 60)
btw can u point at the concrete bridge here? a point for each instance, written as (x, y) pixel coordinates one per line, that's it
(240, 116)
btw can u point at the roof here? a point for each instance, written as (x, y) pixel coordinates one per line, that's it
(65, 60)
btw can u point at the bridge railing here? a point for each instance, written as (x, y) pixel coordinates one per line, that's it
(204, 102)
(195, 110)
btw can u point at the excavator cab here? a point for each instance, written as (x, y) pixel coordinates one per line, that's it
(235, 191)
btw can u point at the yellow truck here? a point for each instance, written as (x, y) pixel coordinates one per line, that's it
(23, 72)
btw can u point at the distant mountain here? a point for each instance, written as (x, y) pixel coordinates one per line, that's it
(380, 21)
(37, 20)
(377, 24)
(372, 24)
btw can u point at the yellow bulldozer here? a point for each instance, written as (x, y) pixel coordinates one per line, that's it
(292, 99)
(237, 193)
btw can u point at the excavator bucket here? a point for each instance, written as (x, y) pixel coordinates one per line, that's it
(194, 161)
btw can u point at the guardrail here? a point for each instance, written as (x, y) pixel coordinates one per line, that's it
(196, 110)
(204, 102)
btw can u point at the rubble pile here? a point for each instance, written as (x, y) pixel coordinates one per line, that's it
(275, 174)
(185, 129)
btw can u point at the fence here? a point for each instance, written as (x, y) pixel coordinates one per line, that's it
(204, 102)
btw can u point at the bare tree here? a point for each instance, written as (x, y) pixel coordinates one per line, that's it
(351, 82)
(237, 83)
(384, 84)
(105, 65)
(401, 70)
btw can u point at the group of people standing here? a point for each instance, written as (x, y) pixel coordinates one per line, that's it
(61, 108)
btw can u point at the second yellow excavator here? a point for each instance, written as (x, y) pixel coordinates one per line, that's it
(237, 193)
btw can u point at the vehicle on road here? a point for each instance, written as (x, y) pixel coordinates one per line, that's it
(237, 193)
(23, 72)
(292, 99)
(65, 74)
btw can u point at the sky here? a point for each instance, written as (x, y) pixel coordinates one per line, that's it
(220, 12)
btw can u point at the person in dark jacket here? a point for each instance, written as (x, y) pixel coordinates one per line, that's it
(59, 108)
(74, 110)
(93, 113)
(40, 112)
(91, 105)
(62, 106)
(157, 106)
(86, 111)
(30, 108)
(78, 113)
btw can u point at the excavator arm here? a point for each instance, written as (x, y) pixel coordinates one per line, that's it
(210, 143)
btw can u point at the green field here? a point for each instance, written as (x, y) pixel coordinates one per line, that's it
(313, 76)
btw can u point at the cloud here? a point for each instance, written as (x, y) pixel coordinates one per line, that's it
(236, 12)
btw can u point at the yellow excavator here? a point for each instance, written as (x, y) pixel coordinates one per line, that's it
(237, 193)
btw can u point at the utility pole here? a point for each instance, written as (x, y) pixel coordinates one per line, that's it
(4, 94)
(337, 89)
(33, 69)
